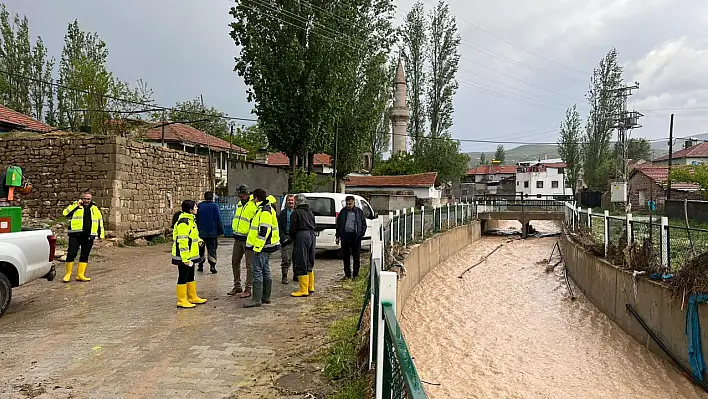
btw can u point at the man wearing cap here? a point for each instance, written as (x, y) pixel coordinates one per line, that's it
(245, 209)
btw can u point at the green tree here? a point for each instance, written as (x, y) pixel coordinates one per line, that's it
(691, 174)
(569, 146)
(638, 148)
(500, 154)
(398, 164)
(604, 106)
(444, 60)
(443, 155)
(201, 117)
(250, 138)
(86, 86)
(482, 159)
(414, 34)
(25, 66)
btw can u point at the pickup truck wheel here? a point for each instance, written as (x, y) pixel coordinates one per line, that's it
(52, 274)
(5, 293)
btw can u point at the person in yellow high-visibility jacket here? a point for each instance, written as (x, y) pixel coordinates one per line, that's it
(185, 254)
(263, 239)
(245, 209)
(85, 225)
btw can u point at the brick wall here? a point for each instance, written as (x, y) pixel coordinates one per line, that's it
(639, 182)
(137, 186)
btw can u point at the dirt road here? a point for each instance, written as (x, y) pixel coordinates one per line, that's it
(121, 335)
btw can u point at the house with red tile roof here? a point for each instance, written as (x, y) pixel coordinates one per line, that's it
(322, 162)
(183, 137)
(543, 179)
(489, 180)
(650, 182)
(693, 153)
(423, 185)
(11, 120)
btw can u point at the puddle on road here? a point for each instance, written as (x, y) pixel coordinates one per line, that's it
(508, 329)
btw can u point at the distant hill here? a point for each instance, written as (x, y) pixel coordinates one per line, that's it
(661, 148)
(526, 152)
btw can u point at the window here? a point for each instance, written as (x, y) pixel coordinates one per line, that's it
(561, 171)
(465, 192)
(526, 184)
(554, 184)
(368, 213)
(517, 183)
(321, 206)
(539, 184)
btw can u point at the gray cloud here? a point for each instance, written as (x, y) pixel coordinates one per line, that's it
(512, 92)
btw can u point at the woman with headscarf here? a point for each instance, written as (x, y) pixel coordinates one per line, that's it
(302, 232)
(185, 254)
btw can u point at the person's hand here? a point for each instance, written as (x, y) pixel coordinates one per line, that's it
(337, 241)
(201, 243)
(80, 202)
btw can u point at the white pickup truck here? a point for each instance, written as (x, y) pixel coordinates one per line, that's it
(25, 256)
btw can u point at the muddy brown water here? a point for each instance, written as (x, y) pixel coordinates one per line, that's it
(508, 329)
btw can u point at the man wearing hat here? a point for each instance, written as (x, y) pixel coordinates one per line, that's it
(245, 209)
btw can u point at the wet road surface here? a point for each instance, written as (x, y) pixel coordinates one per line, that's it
(121, 335)
(508, 329)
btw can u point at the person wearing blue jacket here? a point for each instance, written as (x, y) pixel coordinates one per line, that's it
(210, 228)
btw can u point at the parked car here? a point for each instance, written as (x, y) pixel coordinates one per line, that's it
(326, 207)
(25, 256)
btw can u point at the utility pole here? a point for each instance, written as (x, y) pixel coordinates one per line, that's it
(163, 127)
(671, 156)
(625, 122)
(336, 150)
(212, 177)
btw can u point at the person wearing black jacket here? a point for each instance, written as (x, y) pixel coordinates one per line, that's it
(286, 247)
(351, 227)
(302, 232)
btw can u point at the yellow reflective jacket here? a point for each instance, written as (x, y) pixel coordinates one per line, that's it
(264, 235)
(185, 240)
(75, 213)
(242, 219)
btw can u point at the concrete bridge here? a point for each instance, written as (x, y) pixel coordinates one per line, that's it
(522, 210)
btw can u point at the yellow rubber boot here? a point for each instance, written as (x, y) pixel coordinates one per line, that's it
(182, 301)
(69, 270)
(80, 276)
(304, 282)
(192, 293)
(311, 282)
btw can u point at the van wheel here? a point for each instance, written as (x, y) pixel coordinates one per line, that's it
(5, 293)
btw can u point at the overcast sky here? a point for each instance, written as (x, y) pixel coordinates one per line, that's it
(523, 62)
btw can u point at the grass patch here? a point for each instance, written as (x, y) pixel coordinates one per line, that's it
(340, 358)
(158, 240)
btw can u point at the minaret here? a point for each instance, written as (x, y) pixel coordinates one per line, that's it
(399, 112)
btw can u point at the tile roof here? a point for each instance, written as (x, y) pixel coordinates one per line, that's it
(417, 180)
(696, 151)
(21, 121)
(280, 159)
(492, 169)
(555, 165)
(660, 174)
(181, 133)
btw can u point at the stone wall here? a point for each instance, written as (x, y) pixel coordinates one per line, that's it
(137, 186)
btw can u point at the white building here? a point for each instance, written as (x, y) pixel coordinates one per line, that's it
(542, 178)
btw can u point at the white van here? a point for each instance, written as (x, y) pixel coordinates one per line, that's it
(326, 207)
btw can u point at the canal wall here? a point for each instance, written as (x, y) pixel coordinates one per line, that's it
(610, 288)
(425, 256)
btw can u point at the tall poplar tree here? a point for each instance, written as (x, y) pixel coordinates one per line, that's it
(605, 105)
(569, 146)
(414, 35)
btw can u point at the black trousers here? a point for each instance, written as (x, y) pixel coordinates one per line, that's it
(304, 252)
(210, 246)
(186, 274)
(351, 248)
(76, 242)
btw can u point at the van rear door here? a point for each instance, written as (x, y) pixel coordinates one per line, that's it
(325, 211)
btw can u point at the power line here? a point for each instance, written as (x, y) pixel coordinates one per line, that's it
(516, 46)
(124, 100)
